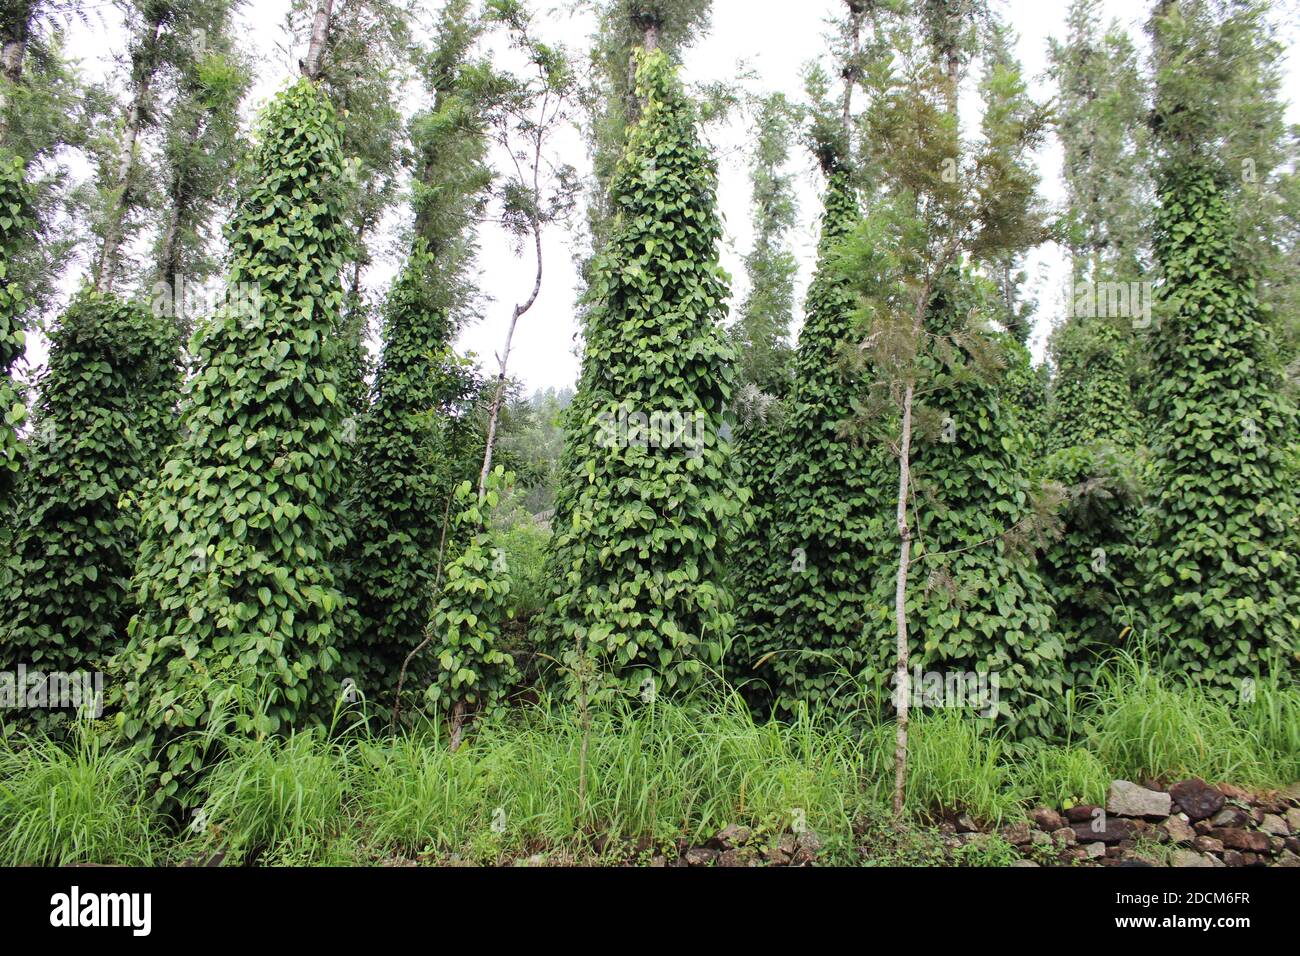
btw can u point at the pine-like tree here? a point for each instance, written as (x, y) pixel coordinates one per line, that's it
(649, 495)
(238, 603)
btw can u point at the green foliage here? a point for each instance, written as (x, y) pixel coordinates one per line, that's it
(235, 577)
(411, 441)
(976, 601)
(105, 415)
(805, 565)
(398, 510)
(644, 510)
(473, 671)
(1101, 122)
(80, 801)
(761, 334)
(1221, 575)
(15, 227)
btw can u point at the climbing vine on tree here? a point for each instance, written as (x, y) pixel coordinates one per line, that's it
(649, 494)
(104, 418)
(473, 673)
(235, 582)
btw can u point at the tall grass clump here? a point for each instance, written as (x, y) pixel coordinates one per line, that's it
(276, 800)
(955, 762)
(413, 795)
(1056, 776)
(1144, 724)
(80, 801)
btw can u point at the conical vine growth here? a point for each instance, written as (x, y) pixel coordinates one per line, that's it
(1222, 582)
(805, 611)
(1094, 457)
(650, 495)
(976, 603)
(106, 414)
(400, 500)
(16, 224)
(237, 596)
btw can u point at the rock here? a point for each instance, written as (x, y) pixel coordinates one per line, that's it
(1233, 858)
(1130, 800)
(1231, 817)
(1196, 798)
(700, 856)
(1080, 814)
(1065, 836)
(1018, 834)
(732, 836)
(1215, 861)
(1207, 844)
(1186, 858)
(1248, 841)
(1236, 793)
(806, 846)
(965, 824)
(1094, 850)
(1024, 863)
(1039, 838)
(1293, 844)
(1293, 820)
(658, 861)
(1276, 845)
(1047, 820)
(736, 856)
(1107, 830)
(1288, 859)
(1179, 831)
(1290, 794)
(1274, 825)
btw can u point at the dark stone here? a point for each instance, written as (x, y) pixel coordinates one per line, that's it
(1082, 814)
(1196, 798)
(1244, 840)
(1113, 831)
(1046, 819)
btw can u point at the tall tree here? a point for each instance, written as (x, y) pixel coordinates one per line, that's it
(201, 146)
(406, 455)
(611, 101)
(1221, 567)
(239, 608)
(931, 402)
(103, 419)
(648, 494)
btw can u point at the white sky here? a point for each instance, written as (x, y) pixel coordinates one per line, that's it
(774, 39)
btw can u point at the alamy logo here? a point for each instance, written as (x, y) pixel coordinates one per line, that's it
(81, 691)
(74, 909)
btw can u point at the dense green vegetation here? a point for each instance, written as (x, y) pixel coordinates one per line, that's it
(851, 562)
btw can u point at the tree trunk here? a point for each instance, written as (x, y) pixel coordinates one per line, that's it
(320, 29)
(169, 252)
(902, 680)
(498, 395)
(13, 38)
(652, 36)
(852, 75)
(13, 46)
(106, 267)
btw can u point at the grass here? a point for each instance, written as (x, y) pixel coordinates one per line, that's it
(655, 775)
(79, 802)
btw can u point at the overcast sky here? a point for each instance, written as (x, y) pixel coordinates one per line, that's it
(774, 39)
